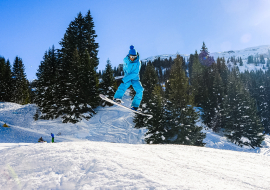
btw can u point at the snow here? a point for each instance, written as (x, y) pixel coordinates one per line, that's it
(95, 165)
(107, 152)
(243, 53)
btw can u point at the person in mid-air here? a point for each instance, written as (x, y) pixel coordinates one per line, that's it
(131, 67)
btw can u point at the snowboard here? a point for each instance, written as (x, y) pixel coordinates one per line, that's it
(103, 97)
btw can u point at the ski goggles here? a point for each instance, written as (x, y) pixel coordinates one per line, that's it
(133, 57)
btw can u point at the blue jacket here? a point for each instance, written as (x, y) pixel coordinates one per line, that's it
(52, 135)
(131, 69)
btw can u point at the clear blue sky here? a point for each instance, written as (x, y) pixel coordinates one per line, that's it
(30, 27)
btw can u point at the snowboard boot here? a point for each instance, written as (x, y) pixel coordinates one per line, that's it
(136, 109)
(117, 100)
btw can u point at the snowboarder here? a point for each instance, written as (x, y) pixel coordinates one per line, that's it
(52, 137)
(131, 67)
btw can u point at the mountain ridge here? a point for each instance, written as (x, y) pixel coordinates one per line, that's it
(243, 53)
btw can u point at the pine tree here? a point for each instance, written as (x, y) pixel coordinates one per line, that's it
(74, 110)
(5, 80)
(250, 59)
(262, 61)
(156, 126)
(187, 132)
(8, 82)
(90, 39)
(263, 102)
(77, 65)
(180, 115)
(89, 86)
(223, 71)
(241, 123)
(149, 81)
(241, 62)
(190, 65)
(265, 115)
(2, 78)
(160, 75)
(258, 85)
(20, 93)
(212, 114)
(204, 57)
(143, 66)
(198, 82)
(108, 84)
(46, 86)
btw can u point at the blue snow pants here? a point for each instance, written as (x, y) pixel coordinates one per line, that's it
(137, 87)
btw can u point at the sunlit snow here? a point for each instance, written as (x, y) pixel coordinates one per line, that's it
(107, 152)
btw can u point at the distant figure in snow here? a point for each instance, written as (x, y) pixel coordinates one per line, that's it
(5, 125)
(41, 139)
(52, 137)
(131, 67)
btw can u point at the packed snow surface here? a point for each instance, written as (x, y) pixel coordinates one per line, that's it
(103, 165)
(107, 152)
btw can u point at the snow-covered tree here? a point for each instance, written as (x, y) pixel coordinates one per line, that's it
(212, 110)
(149, 81)
(46, 86)
(76, 88)
(6, 84)
(20, 91)
(156, 126)
(180, 115)
(241, 123)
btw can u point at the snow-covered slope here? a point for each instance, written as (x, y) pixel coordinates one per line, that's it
(107, 152)
(258, 50)
(164, 56)
(110, 124)
(102, 165)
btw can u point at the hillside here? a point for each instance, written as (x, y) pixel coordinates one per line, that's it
(110, 124)
(244, 53)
